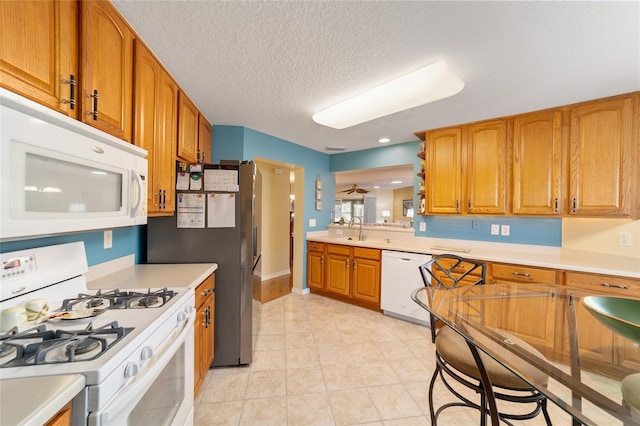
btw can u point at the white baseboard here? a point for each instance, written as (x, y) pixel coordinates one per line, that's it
(301, 291)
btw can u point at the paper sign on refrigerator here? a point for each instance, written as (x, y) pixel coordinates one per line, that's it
(221, 210)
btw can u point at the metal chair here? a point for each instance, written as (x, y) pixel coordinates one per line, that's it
(455, 359)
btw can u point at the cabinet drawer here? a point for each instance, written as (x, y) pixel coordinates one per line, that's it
(204, 289)
(448, 263)
(338, 249)
(366, 253)
(619, 286)
(523, 274)
(315, 246)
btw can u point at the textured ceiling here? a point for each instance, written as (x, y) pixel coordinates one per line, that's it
(270, 65)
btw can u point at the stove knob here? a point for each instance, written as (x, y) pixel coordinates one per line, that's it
(188, 309)
(131, 370)
(182, 316)
(147, 353)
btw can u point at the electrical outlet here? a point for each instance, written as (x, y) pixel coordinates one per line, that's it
(312, 223)
(423, 227)
(495, 229)
(108, 239)
(624, 239)
(504, 230)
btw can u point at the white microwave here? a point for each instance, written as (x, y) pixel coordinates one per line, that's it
(60, 175)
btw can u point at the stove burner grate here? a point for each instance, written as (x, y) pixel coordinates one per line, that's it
(37, 346)
(116, 299)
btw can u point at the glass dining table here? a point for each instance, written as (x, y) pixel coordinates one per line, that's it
(584, 360)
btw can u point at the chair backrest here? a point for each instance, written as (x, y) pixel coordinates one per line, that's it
(449, 270)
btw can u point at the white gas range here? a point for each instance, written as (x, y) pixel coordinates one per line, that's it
(134, 347)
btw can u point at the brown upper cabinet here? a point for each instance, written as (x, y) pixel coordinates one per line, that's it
(187, 130)
(466, 168)
(537, 163)
(39, 52)
(106, 53)
(155, 128)
(579, 160)
(204, 139)
(602, 158)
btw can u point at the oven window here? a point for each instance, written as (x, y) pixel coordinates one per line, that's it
(165, 396)
(53, 185)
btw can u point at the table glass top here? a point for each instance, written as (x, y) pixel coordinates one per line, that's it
(584, 359)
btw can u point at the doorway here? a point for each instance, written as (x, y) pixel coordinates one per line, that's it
(280, 203)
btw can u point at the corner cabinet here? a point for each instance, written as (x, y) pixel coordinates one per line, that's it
(350, 274)
(204, 331)
(204, 139)
(155, 128)
(107, 69)
(187, 129)
(603, 151)
(39, 52)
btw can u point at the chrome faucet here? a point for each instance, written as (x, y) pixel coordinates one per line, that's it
(361, 236)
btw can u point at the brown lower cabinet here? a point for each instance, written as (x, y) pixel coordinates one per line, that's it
(62, 417)
(203, 338)
(605, 346)
(347, 273)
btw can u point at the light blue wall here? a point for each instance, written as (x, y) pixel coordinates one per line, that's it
(240, 143)
(126, 241)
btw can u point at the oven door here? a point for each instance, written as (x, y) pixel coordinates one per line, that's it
(162, 392)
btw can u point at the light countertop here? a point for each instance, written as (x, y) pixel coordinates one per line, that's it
(155, 276)
(34, 401)
(532, 255)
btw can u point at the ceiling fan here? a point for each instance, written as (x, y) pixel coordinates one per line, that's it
(355, 188)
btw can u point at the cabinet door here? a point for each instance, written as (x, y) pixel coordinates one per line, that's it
(366, 280)
(444, 170)
(204, 139)
(199, 337)
(537, 163)
(338, 272)
(315, 269)
(38, 51)
(187, 129)
(155, 115)
(601, 158)
(107, 69)
(486, 158)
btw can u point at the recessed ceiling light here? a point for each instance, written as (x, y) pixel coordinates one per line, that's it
(384, 140)
(419, 87)
(396, 181)
(376, 186)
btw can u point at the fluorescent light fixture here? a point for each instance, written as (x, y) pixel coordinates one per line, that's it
(396, 181)
(376, 186)
(384, 140)
(427, 84)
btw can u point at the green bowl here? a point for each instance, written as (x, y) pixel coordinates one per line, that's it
(620, 314)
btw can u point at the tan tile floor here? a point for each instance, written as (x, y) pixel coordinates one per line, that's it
(322, 362)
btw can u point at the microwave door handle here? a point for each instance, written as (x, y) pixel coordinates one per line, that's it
(138, 206)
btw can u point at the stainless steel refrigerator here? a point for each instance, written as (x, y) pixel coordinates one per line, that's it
(217, 236)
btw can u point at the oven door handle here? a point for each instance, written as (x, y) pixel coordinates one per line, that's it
(135, 389)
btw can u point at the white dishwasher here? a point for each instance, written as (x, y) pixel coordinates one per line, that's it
(400, 276)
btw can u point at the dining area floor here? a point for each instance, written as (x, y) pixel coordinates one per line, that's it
(318, 361)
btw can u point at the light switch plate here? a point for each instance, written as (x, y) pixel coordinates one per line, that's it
(505, 230)
(495, 229)
(624, 239)
(312, 223)
(423, 227)
(108, 238)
